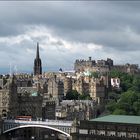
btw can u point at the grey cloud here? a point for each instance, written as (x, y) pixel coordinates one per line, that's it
(103, 23)
(66, 16)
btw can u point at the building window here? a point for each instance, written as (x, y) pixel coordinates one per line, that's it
(92, 132)
(121, 134)
(111, 133)
(83, 131)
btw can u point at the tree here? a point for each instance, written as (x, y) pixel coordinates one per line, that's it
(73, 95)
(136, 107)
(114, 95)
(136, 84)
(129, 104)
(125, 78)
(111, 106)
(128, 101)
(119, 112)
(85, 97)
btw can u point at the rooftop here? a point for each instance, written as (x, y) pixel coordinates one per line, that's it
(119, 119)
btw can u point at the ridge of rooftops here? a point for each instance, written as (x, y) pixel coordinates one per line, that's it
(118, 119)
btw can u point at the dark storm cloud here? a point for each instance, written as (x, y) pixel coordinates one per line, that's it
(73, 16)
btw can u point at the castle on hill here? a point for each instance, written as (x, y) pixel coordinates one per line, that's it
(104, 66)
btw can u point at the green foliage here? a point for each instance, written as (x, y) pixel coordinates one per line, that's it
(128, 102)
(95, 74)
(114, 74)
(136, 84)
(85, 97)
(119, 112)
(113, 95)
(111, 106)
(136, 107)
(126, 79)
(74, 95)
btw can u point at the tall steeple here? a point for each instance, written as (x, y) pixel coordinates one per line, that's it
(37, 51)
(37, 63)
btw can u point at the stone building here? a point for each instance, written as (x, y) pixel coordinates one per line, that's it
(92, 65)
(37, 63)
(67, 85)
(55, 88)
(97, 90)
(8, 99)
(127, 68)
(61, 112)
(30, 102)
(24, 80)
(104, 66)
(79, 109)
(95, 87)
(1, 83)
(78, 85)
(112, 127)
(1, 126)
(21, 100)
(48, 110)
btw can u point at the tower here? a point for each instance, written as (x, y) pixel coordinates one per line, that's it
(37, 63)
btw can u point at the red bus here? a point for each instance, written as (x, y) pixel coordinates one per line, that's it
(24, 118)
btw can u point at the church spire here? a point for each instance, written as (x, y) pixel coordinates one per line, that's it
(37, 51)
(37, 63)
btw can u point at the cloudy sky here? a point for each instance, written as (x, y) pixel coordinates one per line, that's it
(66, 31)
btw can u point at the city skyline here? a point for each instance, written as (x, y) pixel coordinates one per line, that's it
(67, 31)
